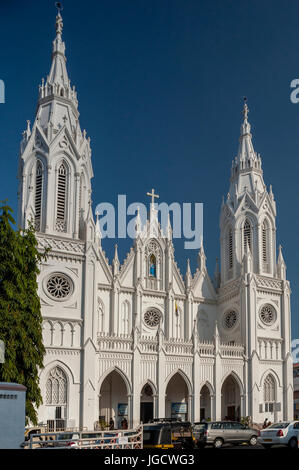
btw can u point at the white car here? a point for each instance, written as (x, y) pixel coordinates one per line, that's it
(283, 433)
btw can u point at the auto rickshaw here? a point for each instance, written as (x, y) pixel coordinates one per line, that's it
(167, 433)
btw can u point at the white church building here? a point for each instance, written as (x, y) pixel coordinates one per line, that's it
(137, 340)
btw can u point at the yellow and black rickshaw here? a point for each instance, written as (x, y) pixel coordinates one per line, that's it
(168, 434)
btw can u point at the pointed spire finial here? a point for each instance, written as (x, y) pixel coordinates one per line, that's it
(115, 252)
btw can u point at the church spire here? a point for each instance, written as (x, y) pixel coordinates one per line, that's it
(246, 152)
(58, 82)
(246, 170)
(56, 154)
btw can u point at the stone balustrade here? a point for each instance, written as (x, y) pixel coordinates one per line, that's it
(172, 346)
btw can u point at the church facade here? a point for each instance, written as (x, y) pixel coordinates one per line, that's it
(137, 340)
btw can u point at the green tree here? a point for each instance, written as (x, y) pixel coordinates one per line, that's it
(20, 312)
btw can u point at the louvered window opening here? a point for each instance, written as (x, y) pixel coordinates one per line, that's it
(38, 194)
(230, 250)
(247, 235)
(264, 247)
(61, 192)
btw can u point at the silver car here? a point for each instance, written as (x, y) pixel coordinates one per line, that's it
(286, 433)
(222, 432)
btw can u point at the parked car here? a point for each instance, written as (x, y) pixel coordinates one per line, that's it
(218, 433)
(286, 433)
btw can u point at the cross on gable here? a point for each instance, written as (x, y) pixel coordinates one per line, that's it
(153, 195)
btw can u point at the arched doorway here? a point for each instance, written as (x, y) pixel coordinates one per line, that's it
(176, 399)
(205, 403)
(146, 404)
(230, 399)
(113, 402)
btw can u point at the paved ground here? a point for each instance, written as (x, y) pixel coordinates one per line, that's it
(244, 446)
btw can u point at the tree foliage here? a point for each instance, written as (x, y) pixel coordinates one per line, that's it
(20, 311)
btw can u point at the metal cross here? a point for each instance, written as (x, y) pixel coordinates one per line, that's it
(59, 6)
(153, 195)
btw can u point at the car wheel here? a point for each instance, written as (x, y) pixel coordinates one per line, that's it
(218, 443)
(266, 446)
(293, 443)
(253, 441)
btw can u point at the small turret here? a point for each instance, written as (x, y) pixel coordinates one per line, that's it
(188, 277)
(115, 262)
(281, 266)
(201, 258)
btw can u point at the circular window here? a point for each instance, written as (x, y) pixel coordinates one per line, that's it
(230, 319)
(59, 286)
(268, 314)
(152, 318)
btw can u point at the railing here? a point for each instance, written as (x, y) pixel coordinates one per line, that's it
(229, 350)
(206, 348)
(124, 343)
(177, 346)
(117, 343)
(148, 346)
(120, 439)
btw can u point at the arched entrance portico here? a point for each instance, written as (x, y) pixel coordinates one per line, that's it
(176, 398)
(146, 403)
(113, 399)
(205, 403)
(231, 399)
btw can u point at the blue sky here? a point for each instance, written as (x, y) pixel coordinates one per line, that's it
(160, 86)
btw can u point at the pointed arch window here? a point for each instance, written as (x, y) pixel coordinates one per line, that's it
(269, 393)
(56, 387)
(230, 252)
(38, 194)
(178, 323)
(153, 266)
(125, 319)
(247, 235)
(61, 198)
(100, 316)
(265, 247)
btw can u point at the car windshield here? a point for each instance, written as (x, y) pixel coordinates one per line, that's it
(198, 427)
(278, 426)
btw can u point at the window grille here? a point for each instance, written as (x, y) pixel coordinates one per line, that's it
(247, 235)
(56, 387)
(269, 390)
(61, 199)
(38, 194)
(230, 249)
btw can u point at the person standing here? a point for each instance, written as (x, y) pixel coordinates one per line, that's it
(111, 424)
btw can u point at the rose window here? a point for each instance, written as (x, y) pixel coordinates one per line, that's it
(268, 314)
(152, 318)
(59, 286)
(230, 320)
